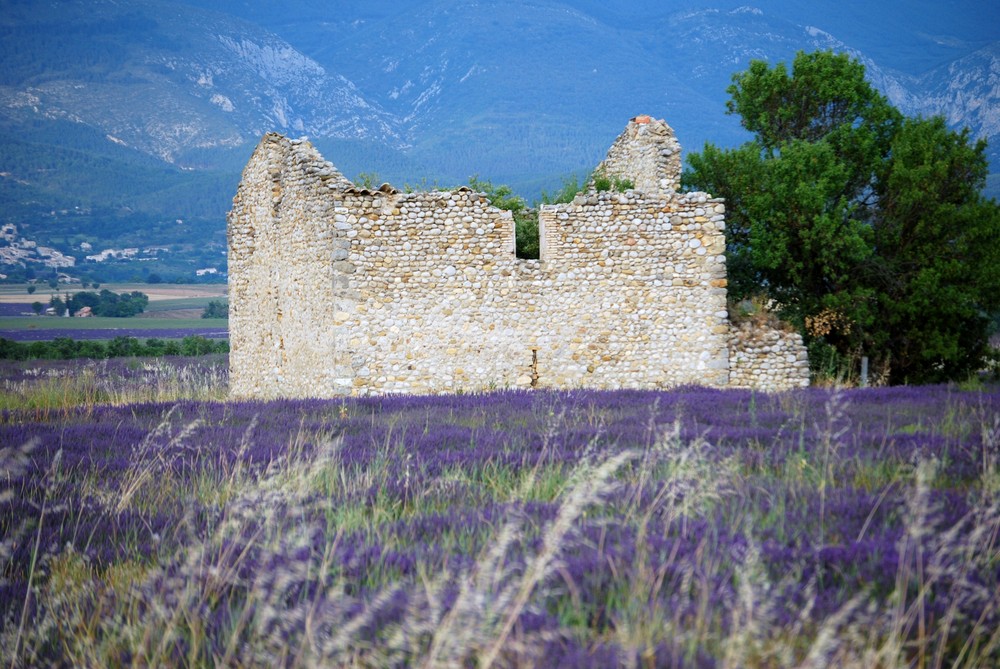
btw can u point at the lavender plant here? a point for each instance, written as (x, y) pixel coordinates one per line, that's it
(697, 527)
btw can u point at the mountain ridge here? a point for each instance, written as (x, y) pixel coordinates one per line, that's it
(523, 92)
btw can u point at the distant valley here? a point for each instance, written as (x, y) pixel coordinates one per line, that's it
(126, 124)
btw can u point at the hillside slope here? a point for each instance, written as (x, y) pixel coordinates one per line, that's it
(129, 115)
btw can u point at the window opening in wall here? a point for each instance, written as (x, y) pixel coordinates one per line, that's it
(534, 367)
(526, 234)
(525, 218)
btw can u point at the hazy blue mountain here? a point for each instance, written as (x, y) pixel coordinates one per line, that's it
(966, 91)
(121, 117)
(168, 79)
(490, 80)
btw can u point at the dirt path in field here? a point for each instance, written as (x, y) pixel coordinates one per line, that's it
(172, 314)
(156, 291)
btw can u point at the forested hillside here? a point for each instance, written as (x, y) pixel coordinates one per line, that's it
(120, 118)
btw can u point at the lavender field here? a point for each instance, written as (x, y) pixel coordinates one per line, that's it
(689, 528)
(81, 329)
(110, 333)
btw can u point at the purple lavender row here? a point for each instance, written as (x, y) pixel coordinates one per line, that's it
(16, 309)
(110, 333)
(125, 374)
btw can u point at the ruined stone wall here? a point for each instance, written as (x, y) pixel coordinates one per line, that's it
(766, 358)
(648, 154)
(338, 290)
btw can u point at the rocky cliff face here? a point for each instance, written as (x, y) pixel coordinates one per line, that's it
(435, 80)
(167, 82)
(523, 93)
(966, 92)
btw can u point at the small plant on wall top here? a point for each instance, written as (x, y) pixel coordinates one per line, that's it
(602, 182)
(570, 189)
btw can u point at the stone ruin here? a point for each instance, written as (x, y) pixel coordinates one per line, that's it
(338, 290)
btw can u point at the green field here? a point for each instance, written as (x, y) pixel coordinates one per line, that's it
(55, 323)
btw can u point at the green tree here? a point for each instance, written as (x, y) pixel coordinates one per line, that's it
(154, 347)
(83, 299)
(12, 350)
(108, 303)
(57, 304)
(216, 309)
(91, 349)
(866, 229)
(937, 260)
(117, 305)
(63, 348)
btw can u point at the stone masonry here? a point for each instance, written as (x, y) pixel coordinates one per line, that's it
(336, 290)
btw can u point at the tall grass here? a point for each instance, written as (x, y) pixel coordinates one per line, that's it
(42, 389)
(656, 552)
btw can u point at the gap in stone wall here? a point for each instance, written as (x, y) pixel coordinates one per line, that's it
(527, 235)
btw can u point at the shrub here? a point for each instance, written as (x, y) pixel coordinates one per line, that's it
(570, 189)
(65, 348)
(198, 345)
(526, 235)
(603, 182)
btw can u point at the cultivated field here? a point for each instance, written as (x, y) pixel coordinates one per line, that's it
(174, 312)
(145, 522)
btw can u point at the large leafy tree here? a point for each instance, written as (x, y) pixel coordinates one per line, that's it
(865, 228)
(936, 265)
